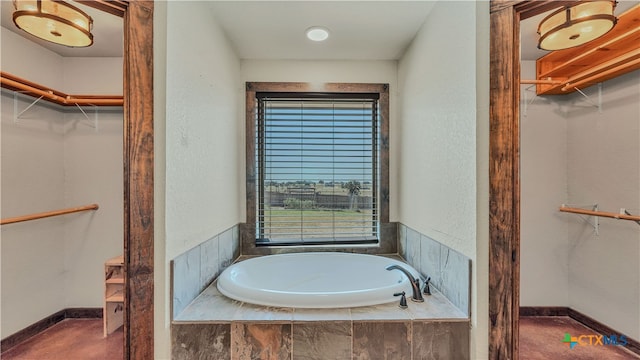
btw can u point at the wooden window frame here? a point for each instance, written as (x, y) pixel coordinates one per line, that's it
(388, 231)
(261, 124)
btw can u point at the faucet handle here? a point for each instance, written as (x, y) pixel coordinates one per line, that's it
(403, 300)
(427, 289)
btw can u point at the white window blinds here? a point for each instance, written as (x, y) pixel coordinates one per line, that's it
(316, 167)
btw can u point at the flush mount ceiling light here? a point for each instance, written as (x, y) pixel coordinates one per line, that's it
(576, 25)
(317, 33)
(54, 21)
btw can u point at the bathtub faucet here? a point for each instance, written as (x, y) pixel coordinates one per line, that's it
(415, 282)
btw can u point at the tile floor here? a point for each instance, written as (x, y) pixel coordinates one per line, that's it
(541, 338)
(70, 339)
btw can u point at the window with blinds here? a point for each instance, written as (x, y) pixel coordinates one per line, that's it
(317, 169)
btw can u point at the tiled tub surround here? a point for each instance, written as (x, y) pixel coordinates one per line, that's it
(216, 327)
(449, 270)
(194, 270)
(208, 325)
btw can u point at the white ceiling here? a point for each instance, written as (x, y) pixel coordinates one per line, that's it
(375, 30)
(275, 29)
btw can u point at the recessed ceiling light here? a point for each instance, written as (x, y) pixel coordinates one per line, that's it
(317, 33)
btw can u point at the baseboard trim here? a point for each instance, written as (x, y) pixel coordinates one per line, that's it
(42, 325)
(544, 311)
(83, 313)
(632, 345)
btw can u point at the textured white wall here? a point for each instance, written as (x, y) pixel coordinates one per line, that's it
(198, 141)
(93, 167)
(603, 159)
(544, 270)
(53, 159)
(32, 263)
(93, 174)
(92, 75)
(33, 272)
(443, 127)
(323, 71)
(437, 181)
(202, 129)
(30, 61)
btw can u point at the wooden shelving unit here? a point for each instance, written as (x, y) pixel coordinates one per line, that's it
(113, 310)
(614, 54)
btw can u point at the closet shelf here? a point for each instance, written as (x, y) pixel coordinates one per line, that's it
(15, 83)
(115, 298)
(614, 54)
(623, 215)
(113, 308)
(48, 214)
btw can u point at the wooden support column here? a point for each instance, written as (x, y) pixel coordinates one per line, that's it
(504, 170)
(504, 187)
(138, 174)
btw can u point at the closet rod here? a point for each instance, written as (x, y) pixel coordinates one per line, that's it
(48, 214)
(15, 83)
(600, 213)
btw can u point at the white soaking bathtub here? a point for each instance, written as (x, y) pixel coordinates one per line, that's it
(315, 280)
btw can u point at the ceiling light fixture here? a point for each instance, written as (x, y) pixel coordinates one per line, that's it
(54, 21)
(576, 25)
(317, 33)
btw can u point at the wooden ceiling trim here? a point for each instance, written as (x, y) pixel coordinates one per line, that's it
(113, 7)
